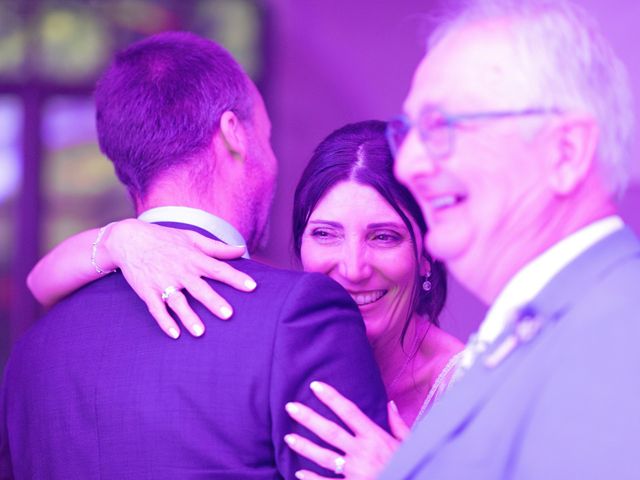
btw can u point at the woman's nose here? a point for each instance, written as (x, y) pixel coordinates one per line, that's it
(354, 264)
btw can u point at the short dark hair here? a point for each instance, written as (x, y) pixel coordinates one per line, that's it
(160, 102)
(359, 152)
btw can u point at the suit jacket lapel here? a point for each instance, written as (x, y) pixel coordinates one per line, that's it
(465, 399)
(459, 406)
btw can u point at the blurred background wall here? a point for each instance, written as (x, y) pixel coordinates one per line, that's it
(319, 63)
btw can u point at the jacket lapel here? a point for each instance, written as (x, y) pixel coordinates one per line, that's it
(458, 408)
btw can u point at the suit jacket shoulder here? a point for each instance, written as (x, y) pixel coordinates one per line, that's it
(96, 390)
(561, 403)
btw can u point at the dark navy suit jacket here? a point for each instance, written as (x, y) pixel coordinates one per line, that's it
(563, 403)
(95, 390)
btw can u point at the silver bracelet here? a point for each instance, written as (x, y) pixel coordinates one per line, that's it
(94, 250)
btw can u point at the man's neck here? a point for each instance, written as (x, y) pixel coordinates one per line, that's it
(172, 194)
(508, 260)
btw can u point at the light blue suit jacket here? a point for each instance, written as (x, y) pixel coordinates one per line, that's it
(563, 403)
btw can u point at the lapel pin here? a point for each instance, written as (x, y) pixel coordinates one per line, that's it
(525, 328)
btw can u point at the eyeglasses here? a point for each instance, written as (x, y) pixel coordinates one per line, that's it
(436, 128)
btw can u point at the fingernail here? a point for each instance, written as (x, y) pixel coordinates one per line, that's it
(393, 406)
(197, 329)
(250, 284)
(299, 474)
(292, 408)
(290, 439)
(225, 312)
(316, 387)
(174, 332)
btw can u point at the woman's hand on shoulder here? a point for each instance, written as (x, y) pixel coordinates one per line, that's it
(157, 260)
(366, 451)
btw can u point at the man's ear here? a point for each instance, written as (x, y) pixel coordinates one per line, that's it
(575, 156)
(233, 135)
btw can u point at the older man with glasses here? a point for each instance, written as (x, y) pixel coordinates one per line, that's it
(514, 142)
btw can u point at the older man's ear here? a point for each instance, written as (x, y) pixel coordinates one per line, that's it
(575, 153)
(233, 135)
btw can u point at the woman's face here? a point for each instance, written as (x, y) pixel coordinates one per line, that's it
(359, 240)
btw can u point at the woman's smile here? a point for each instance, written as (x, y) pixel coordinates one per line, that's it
(367, 297)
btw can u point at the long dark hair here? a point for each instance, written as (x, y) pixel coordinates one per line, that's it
(359, 152)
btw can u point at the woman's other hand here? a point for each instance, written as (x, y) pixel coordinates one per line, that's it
(154, 258)
(365, 451)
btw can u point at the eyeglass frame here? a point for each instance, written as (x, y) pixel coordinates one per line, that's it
(450, 121)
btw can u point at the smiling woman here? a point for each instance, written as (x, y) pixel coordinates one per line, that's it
(355, 237)
(353, 221)
(356, 223)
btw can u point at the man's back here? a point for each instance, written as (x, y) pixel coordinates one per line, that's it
(96, 390)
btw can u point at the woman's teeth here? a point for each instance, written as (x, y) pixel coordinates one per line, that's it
(368, 297)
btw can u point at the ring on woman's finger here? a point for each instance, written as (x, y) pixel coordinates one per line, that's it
(339, 463)
(167, 292)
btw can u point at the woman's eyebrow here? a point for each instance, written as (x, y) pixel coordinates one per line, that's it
(371, 226)
(401, 226)
(325, 222)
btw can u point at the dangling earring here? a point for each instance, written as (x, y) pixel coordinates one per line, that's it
(426, 285)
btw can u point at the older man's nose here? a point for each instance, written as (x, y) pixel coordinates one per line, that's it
(413, 159)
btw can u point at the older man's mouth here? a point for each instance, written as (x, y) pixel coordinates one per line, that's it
(446, 201)
(366, 298)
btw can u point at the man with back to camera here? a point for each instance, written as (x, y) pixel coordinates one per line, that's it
(94, 389)
(515, 146)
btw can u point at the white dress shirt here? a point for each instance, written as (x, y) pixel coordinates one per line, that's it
(530, 280)
(198, 218)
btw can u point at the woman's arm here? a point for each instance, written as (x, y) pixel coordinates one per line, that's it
(366, 451)
(152, 258)
(66, 268)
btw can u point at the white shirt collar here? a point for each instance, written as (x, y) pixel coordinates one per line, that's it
(198, 218)
(532, 278)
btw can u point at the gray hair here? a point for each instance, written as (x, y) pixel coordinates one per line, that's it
(569, 66)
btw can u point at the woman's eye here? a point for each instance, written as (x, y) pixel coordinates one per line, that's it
(323, 234)
(390, 238)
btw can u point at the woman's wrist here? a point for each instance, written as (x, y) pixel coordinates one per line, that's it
(108, 253)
